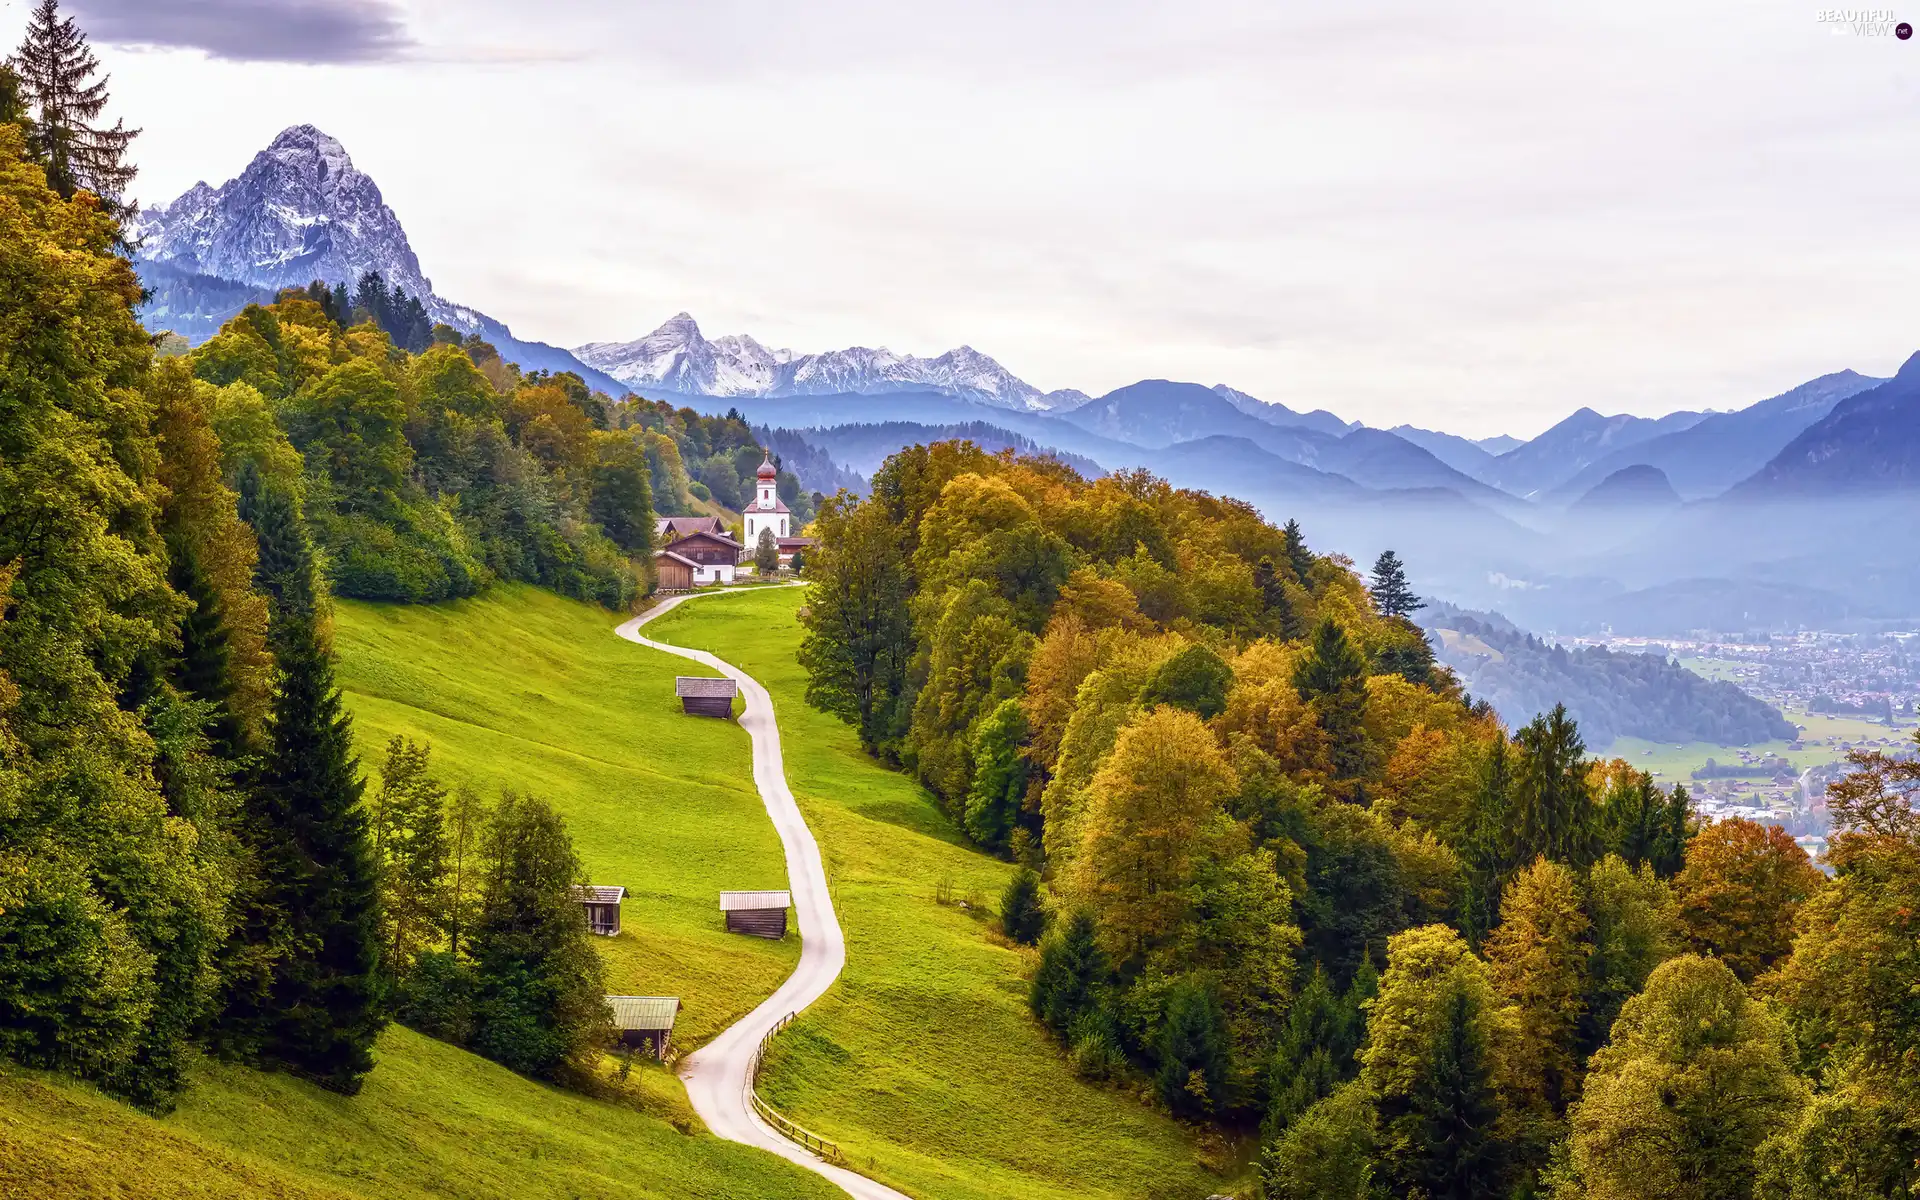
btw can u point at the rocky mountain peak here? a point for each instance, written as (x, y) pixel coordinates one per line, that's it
(300, 211)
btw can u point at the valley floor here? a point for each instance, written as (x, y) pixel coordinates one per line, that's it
(923, 1062)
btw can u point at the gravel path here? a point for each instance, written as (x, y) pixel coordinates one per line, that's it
(716, 1074)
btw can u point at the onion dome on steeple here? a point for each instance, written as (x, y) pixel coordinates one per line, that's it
(767, 469)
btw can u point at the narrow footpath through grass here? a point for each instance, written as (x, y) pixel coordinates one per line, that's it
(923, 1062)
(522, 689)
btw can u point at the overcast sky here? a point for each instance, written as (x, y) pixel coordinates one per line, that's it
(1477, 219)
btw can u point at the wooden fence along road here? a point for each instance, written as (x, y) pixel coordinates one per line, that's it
(720, 1075)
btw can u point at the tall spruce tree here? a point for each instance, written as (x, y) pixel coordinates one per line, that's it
(1391, 594)
(1196, 1057)
(204, 668)
(322, 1011)
(1454, 1108)
(1554, 812)
(1280, 615)
(1299, 558)
(538, 990)
(1332, 678)
(56, 69)
(410, 846)
(1488, 854)
(1314, 1053)
(1072, 976)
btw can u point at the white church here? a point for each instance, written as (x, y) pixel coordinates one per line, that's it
(766, 511)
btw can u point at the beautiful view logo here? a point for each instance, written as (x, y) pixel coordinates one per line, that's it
(1865, 22)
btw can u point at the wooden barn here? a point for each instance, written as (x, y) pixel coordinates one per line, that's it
(705, 696)
(675, 571)
(603, 907)
(645, 1022)
(762, 914)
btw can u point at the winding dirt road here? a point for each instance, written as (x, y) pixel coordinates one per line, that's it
(716, 1075)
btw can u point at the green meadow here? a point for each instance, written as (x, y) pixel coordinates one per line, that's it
(521, 689)
(516, 689)
(922, 1061)
(432, 1123)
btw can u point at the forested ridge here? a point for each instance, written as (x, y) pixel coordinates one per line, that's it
(1287, 875)
(191, 859)
(1612, 695)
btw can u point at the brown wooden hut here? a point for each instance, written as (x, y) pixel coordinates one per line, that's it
(645, 1023)
(762, 914)
(705, 696)
(675, 571)
(602, 904)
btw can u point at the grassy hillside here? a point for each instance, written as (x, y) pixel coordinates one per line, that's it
(522, 689)
(432, 1123)
(922, 1061)
(517, 689)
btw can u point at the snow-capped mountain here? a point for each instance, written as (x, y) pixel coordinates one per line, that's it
(300, 211)
(677, 357)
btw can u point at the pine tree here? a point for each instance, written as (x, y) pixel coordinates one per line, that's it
(1669, 850)
(1281, 618)
(1314, 1053)
(1194, 1052)
(1332, 678)
(322, 1012)
(538, 989)
(410, 846)
(1299, 558)
(1454, 1107)
(1022, 917)
(371, 298)
(1072, 976)
(1554, 812)
(1487, 846)
(1391, 595)
(766, 554)
(204, 668)
(56, 68)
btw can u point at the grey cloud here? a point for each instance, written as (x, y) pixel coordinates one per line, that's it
(295, 31)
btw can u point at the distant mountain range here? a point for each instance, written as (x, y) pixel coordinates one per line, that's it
(675, 357)
(1867, 442)
(1788, 509)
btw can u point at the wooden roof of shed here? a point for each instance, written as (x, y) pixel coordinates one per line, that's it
(599, 893)
(703, 685)
(643, 1012)
(742, 901)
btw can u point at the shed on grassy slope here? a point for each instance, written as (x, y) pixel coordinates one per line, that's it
(705, 696)
(602, 904)
(762, 914)
(645, 1022)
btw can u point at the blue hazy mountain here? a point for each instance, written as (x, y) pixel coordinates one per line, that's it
(1637, 488)
(1467, 457)
(1565, 450)
(1869, 443)
(1721, 449)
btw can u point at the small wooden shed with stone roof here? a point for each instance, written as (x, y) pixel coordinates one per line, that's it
(602, 904)
(762, 914)
(705, 696)
(645, 1022)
